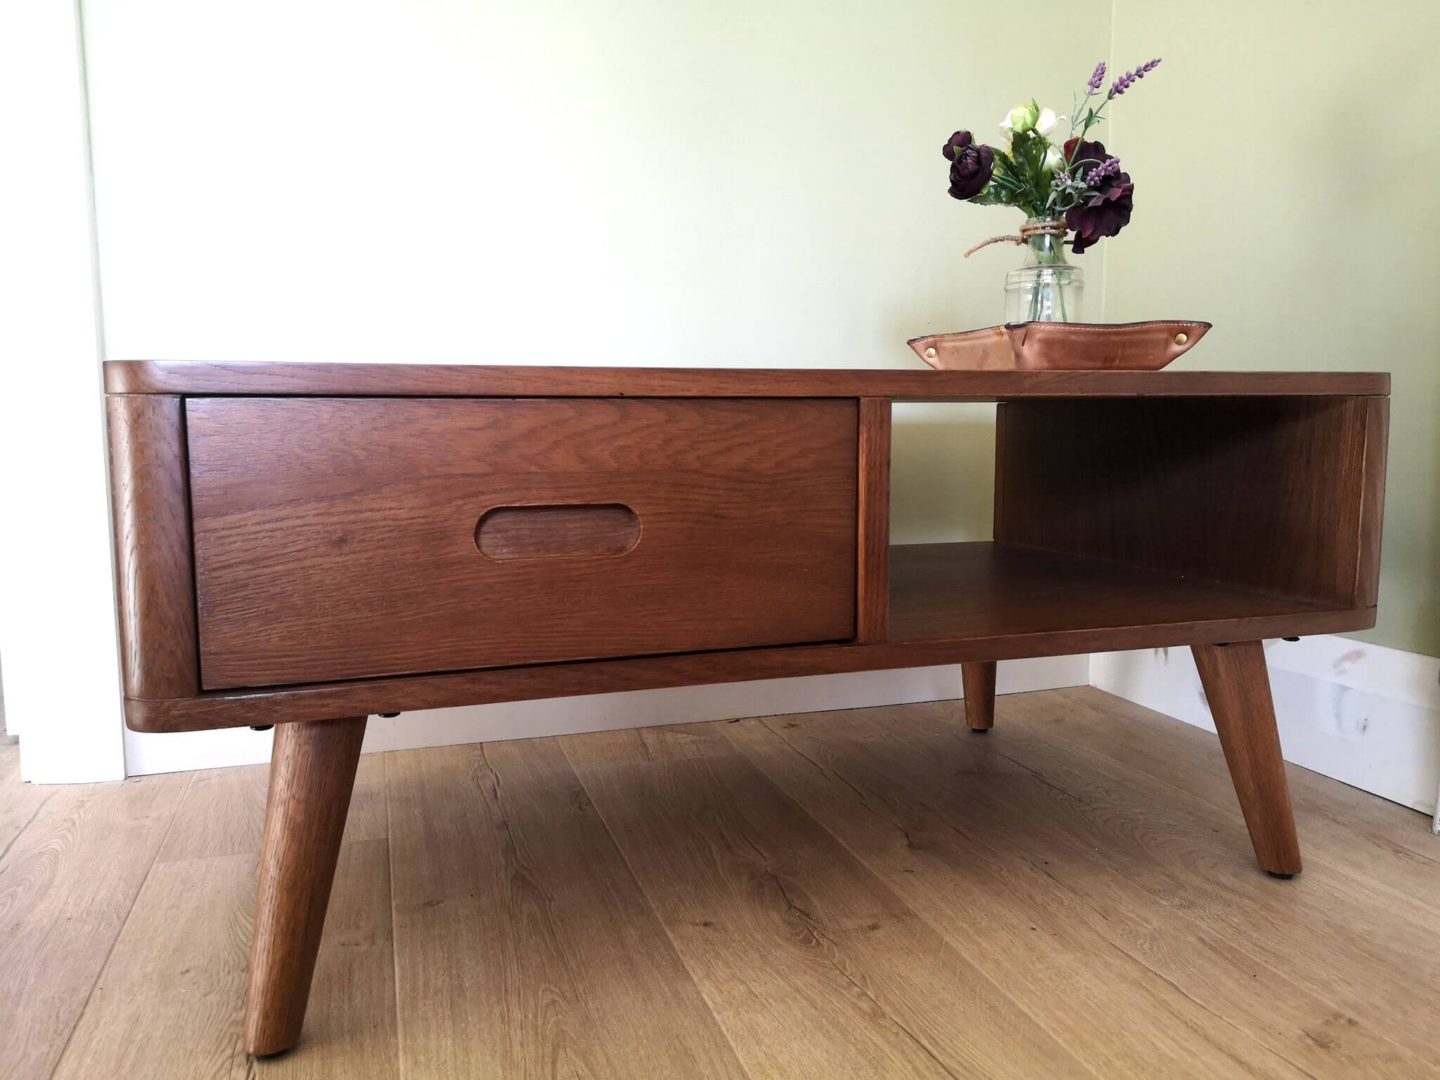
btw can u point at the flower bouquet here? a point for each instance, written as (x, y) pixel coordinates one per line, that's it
(1076, 187)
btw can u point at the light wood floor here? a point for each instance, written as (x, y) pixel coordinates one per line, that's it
(874, 893)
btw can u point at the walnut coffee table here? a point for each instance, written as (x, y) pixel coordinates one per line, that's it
(307, 544)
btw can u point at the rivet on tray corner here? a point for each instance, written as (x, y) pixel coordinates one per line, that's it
(1180, 339)
(930, 353)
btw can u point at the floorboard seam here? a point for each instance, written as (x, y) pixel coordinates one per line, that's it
(1182, 794)
(1040, 1025)
(110, 950)
(655, 914)
(394, 926)
(1318, 992)
(28, 821)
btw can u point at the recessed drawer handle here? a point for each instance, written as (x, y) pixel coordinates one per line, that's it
(593, 530)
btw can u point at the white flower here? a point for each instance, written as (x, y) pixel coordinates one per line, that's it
(1031, 117)
(1053, 159)
(1020, 119)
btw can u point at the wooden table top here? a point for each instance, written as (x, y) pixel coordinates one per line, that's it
(479, 380)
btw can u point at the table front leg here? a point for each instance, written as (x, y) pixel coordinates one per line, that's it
(1237, 686)
(312, 772)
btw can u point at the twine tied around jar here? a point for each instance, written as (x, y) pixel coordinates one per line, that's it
(1029, 229)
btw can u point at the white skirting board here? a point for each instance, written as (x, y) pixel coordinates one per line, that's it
(1364, 714)
(152, 753)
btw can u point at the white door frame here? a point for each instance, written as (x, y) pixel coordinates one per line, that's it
(57, 615)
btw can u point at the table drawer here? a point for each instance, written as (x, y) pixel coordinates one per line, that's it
(346, 538)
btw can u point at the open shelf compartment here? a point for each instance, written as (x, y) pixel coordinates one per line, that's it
(964, 591)
(1120, 521)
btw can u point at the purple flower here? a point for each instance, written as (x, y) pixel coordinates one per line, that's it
(971, 166)
(1107, 208)
(1130, 77)
(1097, 78)
(1104, 169)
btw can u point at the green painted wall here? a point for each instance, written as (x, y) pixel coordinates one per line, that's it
(622, 181)
(1286, 159)
(608, 182)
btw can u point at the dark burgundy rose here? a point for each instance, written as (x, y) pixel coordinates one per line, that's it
(1107, 210)
(970, 166)
(957, 142)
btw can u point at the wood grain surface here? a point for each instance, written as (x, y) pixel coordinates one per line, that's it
(785, 931)
(872, 620)
(980, 590)
(67, 882)
(1237, 689)
(913, 384)
(24, 800)
(312, 772)
(1020, 840)
(154, 576)
(924, 831)
(1085, 859)
(189, 955)
(557, 532)
(1319, 930)
(336, 538)
(950, 604)
(186, 944)
(979, 680)
(530, 929)
(1279, 494)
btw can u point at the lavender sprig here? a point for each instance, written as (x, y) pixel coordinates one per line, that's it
(1131, 77)
(1099, 172)
(1085, 116)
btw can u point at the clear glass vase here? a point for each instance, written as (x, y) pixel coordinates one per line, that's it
(1046, 288)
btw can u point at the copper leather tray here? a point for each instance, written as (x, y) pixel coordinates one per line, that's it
(1139, 346)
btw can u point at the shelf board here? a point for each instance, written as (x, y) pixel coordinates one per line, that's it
(952, 592)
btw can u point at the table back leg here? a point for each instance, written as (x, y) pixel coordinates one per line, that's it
(312, 772)
(979, 681)
(1237, 687)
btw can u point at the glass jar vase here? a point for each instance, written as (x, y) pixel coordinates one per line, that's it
(1046, 288)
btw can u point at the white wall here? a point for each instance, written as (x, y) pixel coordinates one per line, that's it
(57, 623)
(1358, 712)
(1305, 259)
(591, 182)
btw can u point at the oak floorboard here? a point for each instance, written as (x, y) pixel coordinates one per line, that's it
(166, 1004)
(1108, 828)
(1086, 953)
(524, 945)
(1339, 901)
(170, 1001)
(66, 886)
(812, 965)
(1388, 842)
(19, 802)
(1149, 850)
(224, 811)
(351, 1024)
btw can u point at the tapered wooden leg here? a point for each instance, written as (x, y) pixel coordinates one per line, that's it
(1237, 687)
(312, 771)
(979, 680)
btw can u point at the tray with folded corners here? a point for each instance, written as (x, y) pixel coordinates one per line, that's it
(1055, 346)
